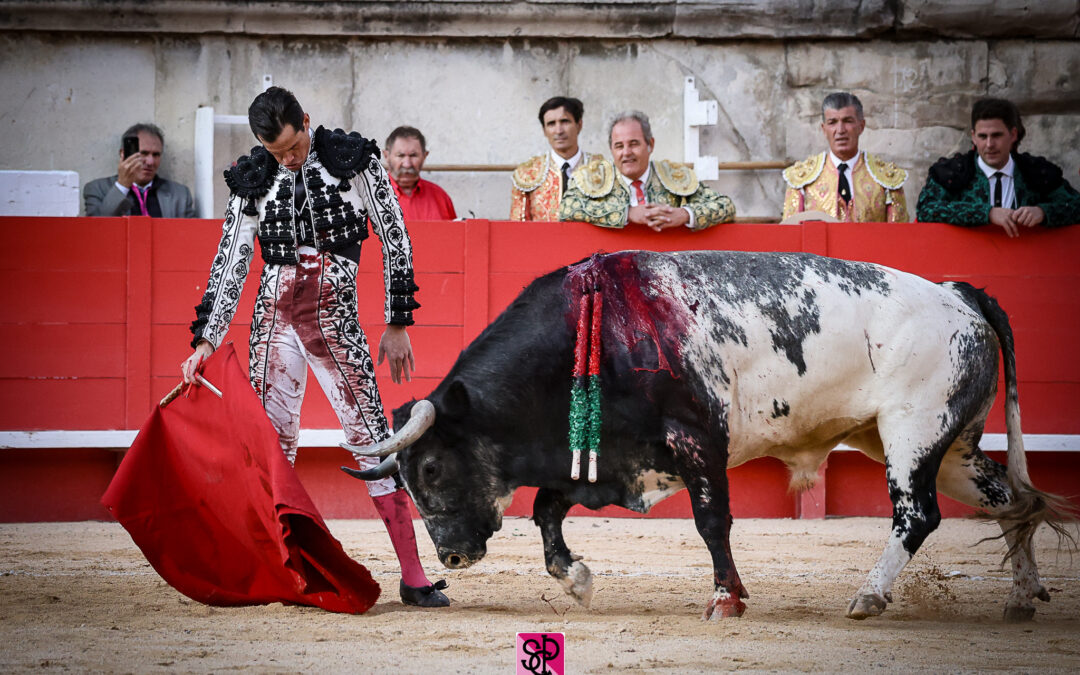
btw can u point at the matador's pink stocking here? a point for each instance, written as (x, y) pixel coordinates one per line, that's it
(394, 511)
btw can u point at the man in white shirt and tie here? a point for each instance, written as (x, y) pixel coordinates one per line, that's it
(844, 182)
(637, 191)
(995, 184)
(540, 182)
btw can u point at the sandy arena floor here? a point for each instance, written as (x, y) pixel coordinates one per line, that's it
(80, 597)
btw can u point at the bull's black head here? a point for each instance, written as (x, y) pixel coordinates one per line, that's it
(451, 473)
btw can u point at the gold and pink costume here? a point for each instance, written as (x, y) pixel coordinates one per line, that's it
(538, 188)
(877, 189)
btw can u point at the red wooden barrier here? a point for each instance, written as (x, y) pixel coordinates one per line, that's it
(97, 309)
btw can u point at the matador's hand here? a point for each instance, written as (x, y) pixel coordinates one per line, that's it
(396, 346)
(191, 364)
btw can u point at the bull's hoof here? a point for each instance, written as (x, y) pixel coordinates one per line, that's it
(865, 606)
(1019, 613)
(728, 607)
(578, 583)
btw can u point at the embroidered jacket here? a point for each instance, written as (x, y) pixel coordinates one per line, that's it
(957, 192)
(537, 188)
(877, 190)
(598, 196)
(346, 185)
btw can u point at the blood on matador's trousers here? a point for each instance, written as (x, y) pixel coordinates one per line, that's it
(306, 315)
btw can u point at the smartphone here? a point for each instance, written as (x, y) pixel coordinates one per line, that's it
(131, 146)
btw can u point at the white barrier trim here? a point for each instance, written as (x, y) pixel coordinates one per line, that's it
(120, 439)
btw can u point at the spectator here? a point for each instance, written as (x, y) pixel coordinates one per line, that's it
(406, 152)
(137, 189)
(656, 195)
(845, 183)
(540, 182)
(994, 183)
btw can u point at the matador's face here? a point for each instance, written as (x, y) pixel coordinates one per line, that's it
(291, 147)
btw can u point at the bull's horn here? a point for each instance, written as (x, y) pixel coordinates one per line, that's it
(420, 420)
(388, 467)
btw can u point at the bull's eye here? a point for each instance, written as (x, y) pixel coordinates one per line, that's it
(430, 469)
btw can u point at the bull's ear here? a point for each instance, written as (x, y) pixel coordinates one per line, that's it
(456, 401)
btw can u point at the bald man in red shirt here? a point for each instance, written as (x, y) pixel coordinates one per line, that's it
(420, 199)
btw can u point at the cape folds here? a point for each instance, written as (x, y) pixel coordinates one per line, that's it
(208, 496)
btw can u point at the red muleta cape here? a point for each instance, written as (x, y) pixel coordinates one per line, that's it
(207, 494)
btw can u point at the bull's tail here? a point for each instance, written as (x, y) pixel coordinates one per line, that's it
(1030, 506)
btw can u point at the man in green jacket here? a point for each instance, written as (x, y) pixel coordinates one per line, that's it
(995, 184)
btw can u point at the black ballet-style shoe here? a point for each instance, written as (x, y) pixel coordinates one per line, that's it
(424, 596)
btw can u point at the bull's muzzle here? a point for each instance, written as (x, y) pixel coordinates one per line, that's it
(457, 560)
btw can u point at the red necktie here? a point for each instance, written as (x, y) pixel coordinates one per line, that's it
(640, 194)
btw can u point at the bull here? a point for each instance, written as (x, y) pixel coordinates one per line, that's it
(704, 360)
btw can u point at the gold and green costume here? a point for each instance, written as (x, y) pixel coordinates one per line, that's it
(598, 195)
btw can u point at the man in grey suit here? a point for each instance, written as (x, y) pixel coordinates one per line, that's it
(137, 189)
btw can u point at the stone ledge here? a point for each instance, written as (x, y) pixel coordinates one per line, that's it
(1008, 19)
(614, 19)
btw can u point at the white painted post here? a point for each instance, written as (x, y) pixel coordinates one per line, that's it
(695, 114)
(204, 162)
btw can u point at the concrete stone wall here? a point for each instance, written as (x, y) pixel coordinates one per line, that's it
(472, 75)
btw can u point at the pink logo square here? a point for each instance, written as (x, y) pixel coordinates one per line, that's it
(540, 654)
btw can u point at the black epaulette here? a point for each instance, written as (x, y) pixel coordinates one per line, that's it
(252, 176)
(344, 154)
(954, 173)
(1040, 174)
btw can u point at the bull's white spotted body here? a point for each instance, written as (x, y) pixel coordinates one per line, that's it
(839, 393)
(714, 358)
(654, 487)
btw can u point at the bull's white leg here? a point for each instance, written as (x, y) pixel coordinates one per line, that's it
(1026, 584)
(876, 591)
(970, 477)
(910, 469)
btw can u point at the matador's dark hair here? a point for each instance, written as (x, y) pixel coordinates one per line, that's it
(271, 111)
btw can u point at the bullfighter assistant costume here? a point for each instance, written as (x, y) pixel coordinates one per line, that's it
(599, 195)
(539, 186)
(958, 192)
(310, 226)
(877, 189)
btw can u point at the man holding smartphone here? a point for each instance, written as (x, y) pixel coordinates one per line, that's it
(137, 189)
